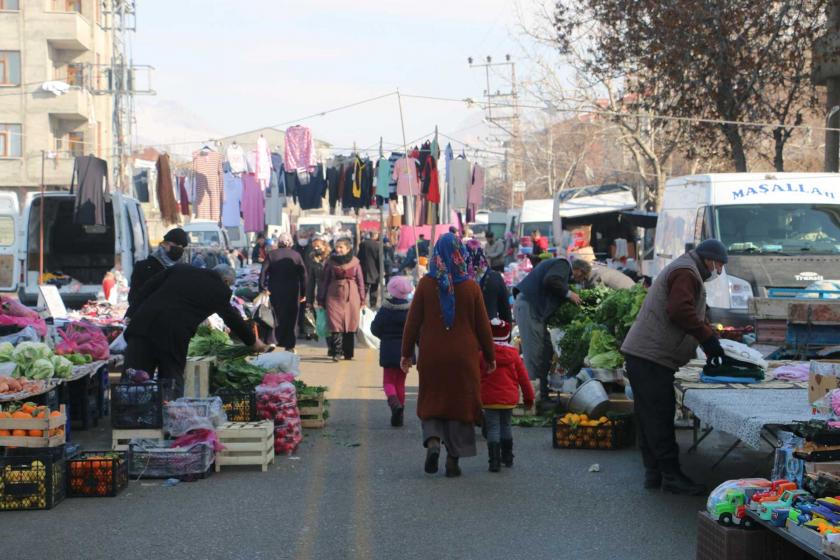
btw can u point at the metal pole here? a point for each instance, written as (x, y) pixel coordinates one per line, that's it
(41, 226)
(410, 189)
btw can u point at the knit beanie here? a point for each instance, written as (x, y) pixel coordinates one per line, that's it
(399, 287)
(177, 236)
(713, 249)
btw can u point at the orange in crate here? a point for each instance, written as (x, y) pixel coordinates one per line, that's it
(97, 474)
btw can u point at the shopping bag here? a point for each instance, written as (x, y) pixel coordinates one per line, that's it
(263, 311)
(321, 323)
(363, 335)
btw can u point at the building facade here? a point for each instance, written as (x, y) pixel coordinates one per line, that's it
(54, 78)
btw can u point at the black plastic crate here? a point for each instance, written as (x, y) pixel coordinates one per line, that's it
(240, 406)
(158, 459)
(84, 402)
(618, 434)
(97, 474)
(139, 405)
(32, 482)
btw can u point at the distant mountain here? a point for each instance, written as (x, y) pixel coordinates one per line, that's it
(167, 125)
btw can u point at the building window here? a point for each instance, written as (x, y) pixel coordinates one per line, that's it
(73, 74)
(76, 143)
(10, 140)
(67, 6)
(9, 5)
(9, 68)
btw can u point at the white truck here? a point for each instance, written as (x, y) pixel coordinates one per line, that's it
(537, 215)
(782, 230)
(82, 253)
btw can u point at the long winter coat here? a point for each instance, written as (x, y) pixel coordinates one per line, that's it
(341, 294)
(388, 327)
(448, 361)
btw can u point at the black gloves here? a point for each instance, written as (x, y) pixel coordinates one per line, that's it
(713, 349)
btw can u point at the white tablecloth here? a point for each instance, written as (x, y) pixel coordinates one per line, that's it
(744, 412)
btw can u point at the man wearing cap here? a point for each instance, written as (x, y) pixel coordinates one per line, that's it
(167, 254)
(664, 337)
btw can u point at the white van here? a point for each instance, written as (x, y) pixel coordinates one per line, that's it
(84, 253)
(782, 230)
(537, 215)
(324, 223)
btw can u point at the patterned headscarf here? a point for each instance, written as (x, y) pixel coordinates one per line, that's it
(449, 267)
(476, 260)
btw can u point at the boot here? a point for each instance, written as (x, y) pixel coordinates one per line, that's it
(400, 419)
(678, 483)
(432, 457)
(507, 452)
(494, 452)
(452, 468)
(396, 411)
(653, 479)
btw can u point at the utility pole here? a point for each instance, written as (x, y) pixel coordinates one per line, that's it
(827, 72)
(120, 18)
(506, 118)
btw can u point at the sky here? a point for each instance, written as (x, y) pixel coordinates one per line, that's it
(227, 66)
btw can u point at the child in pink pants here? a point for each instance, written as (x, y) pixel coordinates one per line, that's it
(388, 328)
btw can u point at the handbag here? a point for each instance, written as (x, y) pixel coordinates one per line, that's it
(321, 323)
(263, 311)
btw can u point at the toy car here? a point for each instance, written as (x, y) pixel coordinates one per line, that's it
(777, 488)
(787, 500)
(802, 512)
(732, 509)
(825, 513)
(779, 517)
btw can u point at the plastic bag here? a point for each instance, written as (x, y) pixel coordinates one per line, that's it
(263, 310)
(363, 335)
(277, 401)
(286, 362)
(184, 415)
(119, 345)
(321, 323)
(28, 334)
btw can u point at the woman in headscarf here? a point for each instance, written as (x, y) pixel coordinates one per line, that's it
(493, 288)
(284, 276)
(448, 318)
(315, 261)
(342, 295)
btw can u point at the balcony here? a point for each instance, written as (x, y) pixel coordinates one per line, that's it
(57, 172)
(75, 105)
(68, 31)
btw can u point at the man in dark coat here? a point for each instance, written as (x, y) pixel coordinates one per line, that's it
(369, 257)
(171, 307)
(168, 254)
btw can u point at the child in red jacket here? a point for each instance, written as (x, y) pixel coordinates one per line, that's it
(500, 395)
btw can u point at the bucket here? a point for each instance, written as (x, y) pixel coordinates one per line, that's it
(590, 398)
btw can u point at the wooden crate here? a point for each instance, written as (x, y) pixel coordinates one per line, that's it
(313, 412)
(121, 438)
(45, 425)
(246, 443)
(197, 377)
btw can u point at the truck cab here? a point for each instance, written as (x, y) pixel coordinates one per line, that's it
(732, 509)
(782, 230)
(75, 256)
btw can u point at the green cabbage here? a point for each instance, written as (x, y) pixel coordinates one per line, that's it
(6, 349)
(41, 368)
(26, 353)
(603, 350)
(62, 366)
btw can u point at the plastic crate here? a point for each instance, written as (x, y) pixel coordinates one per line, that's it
(240, 406)
(716, 542)
(157, 459)
(31, 482)
(617, 435)
(96, 474)
(139, 405)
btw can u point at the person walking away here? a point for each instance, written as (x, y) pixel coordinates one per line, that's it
(664, 338)
(315, 261)
(303, 247)
(495, 252)
(283, 274)
(259, 252)
(167, 312)
(538, 296)
(167, 254)
(448, 318)
(492, 284)
(500, 395)
(588, 275)
(388, 327)
(369, 257)
(198, 260)
(342, 295)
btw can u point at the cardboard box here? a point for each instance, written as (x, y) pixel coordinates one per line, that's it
(822, 379)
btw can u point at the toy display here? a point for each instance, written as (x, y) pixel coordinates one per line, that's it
(727, 504)
(777, 488)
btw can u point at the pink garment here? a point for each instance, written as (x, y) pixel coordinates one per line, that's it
(476, 192)
(407, 234)
(393, 383)
(263, 161)
(300, 153)
(405, 174)
(253, 203)
(207, 169)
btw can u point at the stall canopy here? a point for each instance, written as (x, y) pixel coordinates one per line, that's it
(640, 218)
(589, 201)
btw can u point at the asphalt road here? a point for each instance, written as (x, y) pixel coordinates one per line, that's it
(357, 490)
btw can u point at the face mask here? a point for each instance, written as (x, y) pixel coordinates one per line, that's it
(714, 276)
(175, 252)
(303, 242)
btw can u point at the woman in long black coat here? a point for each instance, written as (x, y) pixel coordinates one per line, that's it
(284, 276)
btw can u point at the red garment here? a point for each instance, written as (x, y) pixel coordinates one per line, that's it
(182, 194)
(434, 185)
(502, 386)
(107, 285)
(541, 244)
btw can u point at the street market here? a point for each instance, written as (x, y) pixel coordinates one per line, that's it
(582, 319)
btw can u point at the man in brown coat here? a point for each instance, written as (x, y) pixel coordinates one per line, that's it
(664, 338)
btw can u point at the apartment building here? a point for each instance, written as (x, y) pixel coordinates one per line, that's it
(45, 44)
